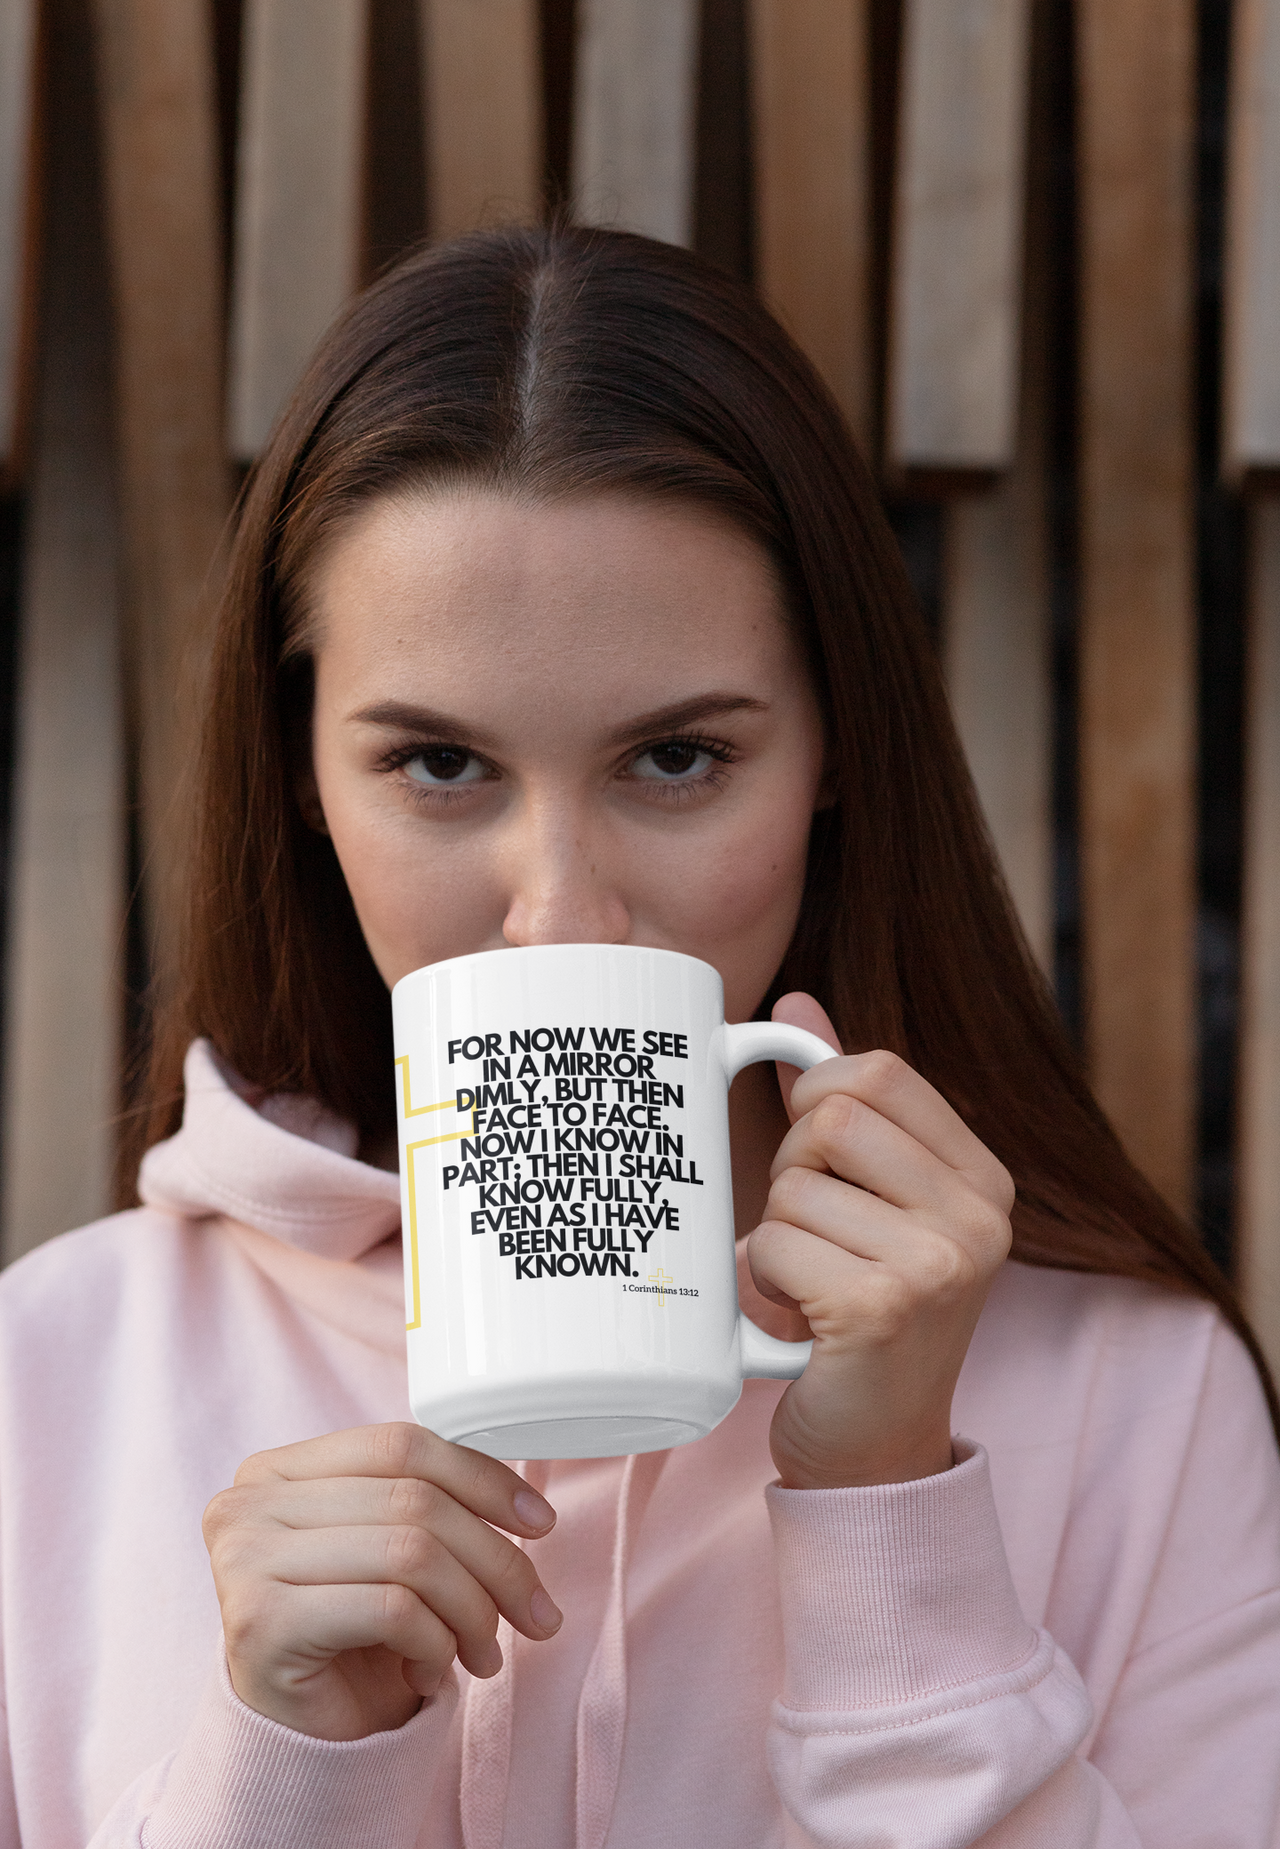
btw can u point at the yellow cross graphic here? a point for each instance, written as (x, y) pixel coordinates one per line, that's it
(660, 1278)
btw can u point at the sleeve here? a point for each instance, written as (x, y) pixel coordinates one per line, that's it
(241, 1781)
(920, 1710)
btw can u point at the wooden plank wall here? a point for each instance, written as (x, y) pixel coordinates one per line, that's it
(64, 974)
(1135, 180)
(811, 90)
(935, 337)
(633, 130)
(157, 88)
(966, 405)
(483, 113)
(298, 196)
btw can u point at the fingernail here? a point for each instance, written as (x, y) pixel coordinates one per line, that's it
(543, 1612)
(532, 1510)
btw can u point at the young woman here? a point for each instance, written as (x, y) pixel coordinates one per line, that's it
(561, 610)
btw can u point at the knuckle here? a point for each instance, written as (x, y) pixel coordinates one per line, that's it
(986, 1229)
(398, 1605)
(410, 1550)
(883, 1072)
(888, 1306)
(393, 1447)
(514, 1574)
(245, 1622)
(228, 1509)
(946, 1269)
(830, 1121)
(412, 1501)
(789, 1192)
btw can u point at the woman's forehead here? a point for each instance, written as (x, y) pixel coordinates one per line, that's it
(566, 579)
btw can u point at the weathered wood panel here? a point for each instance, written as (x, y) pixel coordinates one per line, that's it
(811, 106)
(997, 628)
(483, 113)
(64, 980)
(957, 262)
(1136, 117)
(157, 89)
(633, 131)
(1259, 1105)
(1251, 349)
(298, 198)
(17, 118)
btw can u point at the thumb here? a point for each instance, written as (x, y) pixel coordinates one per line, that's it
(801, 1010)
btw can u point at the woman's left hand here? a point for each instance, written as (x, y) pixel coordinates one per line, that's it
(886, 1222)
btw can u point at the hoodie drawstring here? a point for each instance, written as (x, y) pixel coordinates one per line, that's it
(602, 1706)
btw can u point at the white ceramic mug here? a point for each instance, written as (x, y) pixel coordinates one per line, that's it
(568, 1204)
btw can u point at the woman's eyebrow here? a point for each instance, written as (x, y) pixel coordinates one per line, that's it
(685, 713)
(399, 716)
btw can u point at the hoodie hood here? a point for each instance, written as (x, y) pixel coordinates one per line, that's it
(278, 1163)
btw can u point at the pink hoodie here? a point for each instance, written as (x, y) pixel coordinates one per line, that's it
(1072, 1638)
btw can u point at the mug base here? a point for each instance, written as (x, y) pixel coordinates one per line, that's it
(599, 1437)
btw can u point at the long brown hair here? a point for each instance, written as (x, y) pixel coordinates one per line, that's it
(562, 361)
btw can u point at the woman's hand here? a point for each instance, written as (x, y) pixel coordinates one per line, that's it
(886, 1222)
(352, 1569)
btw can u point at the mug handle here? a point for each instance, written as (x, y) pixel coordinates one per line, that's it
(764, 1357)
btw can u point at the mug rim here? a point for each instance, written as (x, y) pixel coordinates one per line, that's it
(535, 950)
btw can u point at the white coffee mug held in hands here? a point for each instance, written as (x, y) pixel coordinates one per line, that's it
(570, 1278)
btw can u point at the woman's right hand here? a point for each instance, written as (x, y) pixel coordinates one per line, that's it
(352, 1569)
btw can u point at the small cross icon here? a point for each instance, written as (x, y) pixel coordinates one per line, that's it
(660, 1278)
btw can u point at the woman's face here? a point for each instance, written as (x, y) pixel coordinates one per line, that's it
(580, 721)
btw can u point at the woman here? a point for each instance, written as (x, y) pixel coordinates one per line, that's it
(561, 610)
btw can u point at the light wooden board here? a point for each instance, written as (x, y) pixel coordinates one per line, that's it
(957, 248)
(633, 128)
(1259, 1094)
(17, 110)
(483, 113)
(64, 981)
(1251, 349)
(157, 89)
(997, 628)
(811, 107)
(298, 198)
(1135, 189)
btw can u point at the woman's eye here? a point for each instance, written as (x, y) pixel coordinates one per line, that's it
(677, 761)
(445, 764)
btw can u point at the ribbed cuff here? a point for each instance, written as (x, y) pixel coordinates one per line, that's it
(896, 1592)
(241, 1778)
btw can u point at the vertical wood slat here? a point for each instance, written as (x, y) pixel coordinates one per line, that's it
(298, 206)
(156, 83)
(17, 117)
(811, 106)
(957, 268)
(998, 668)
(67, 873)
(633, 131)
(1251, 350)
(1259, 1107)
(997, 640)
(483, 112)
(1136, 114)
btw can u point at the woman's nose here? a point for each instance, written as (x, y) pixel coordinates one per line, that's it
(560, 892)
